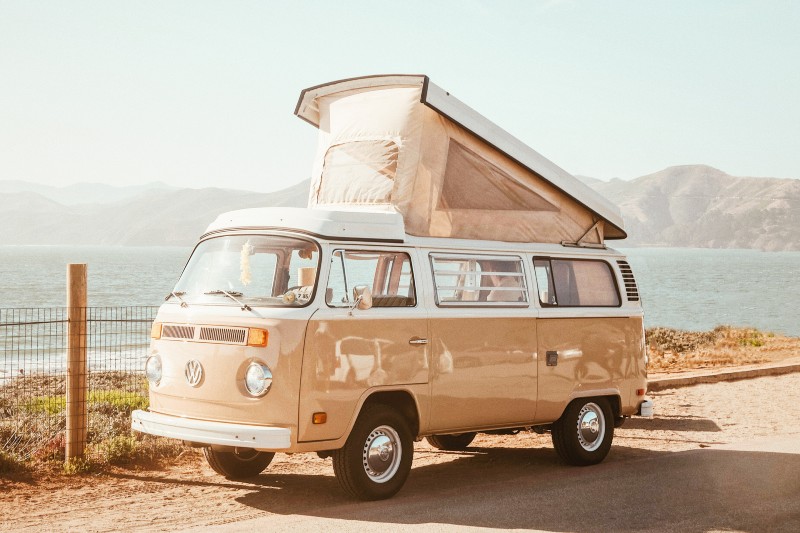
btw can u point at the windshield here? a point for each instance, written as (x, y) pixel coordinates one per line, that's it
(250, 269)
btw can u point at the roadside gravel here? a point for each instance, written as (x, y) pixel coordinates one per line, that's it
(190, 495)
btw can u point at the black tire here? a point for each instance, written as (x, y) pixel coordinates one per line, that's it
(242, 463)
(456, 442)
(380, 474)
(583, 434)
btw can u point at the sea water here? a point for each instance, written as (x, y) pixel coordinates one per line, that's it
(694, 289)
(697, 289)
(36, 276)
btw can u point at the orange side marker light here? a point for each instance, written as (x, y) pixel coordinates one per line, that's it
(257, 337)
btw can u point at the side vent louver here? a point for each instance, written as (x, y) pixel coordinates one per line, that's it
(224, 335)
(177, 332)
(215, 334)
(630, 283)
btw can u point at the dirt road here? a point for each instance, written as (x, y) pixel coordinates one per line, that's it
(721, 456)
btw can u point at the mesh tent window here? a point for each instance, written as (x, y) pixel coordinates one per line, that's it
(360, 172)
(472, 182)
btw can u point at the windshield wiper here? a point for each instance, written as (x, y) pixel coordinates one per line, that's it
(178, 296)
(232, 296)
(229, 294)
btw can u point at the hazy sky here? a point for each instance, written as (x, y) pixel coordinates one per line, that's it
(202, 93)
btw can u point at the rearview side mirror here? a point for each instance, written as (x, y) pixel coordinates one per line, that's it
(362, 297)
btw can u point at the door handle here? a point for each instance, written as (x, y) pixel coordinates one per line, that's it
(417, 340)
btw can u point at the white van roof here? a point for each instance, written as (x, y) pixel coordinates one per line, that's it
(366, 227)
(516, 189)
(319, 222)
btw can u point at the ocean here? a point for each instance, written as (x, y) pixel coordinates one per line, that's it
(698, 289)
(694, 289)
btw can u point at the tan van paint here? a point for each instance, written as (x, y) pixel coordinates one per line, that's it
(450, 369)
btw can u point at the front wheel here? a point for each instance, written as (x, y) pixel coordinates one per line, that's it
(583, 434)
(241, 463)
(376, 459)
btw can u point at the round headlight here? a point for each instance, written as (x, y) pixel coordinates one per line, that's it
(152, 369)
(258, 379)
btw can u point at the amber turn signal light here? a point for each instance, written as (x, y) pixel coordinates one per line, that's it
(640, 392)
(257, 337)
(155, 331)
(319, 418)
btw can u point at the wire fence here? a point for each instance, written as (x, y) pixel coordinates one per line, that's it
(34, 346)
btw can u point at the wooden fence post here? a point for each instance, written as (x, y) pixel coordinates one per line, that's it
(77, 382)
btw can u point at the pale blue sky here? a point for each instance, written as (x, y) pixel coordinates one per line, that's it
(202, 93)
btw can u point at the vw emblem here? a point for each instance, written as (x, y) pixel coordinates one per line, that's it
(193, 372)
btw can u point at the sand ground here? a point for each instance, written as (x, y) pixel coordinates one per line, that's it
(189, 494)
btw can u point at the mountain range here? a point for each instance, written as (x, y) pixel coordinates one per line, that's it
(685, 206)
(697, 206)
(154, 216)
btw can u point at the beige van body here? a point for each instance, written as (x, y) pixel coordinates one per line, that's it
(434, 345)
(446, 280)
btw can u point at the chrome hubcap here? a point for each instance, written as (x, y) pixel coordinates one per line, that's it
(381, 454)
(591, 427)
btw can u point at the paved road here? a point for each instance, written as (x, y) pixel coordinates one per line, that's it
(749, 487)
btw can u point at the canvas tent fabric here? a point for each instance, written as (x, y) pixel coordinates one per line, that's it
(398, 143)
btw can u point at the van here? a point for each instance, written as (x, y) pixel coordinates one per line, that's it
(293, 330)
(355, 332)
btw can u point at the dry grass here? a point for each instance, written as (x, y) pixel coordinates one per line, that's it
(32, 422)
(673, 350)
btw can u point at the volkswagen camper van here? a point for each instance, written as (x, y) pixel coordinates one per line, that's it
(444, 281)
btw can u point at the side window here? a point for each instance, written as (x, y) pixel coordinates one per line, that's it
(479, 281)
(575, 283)
(544, 281)
(387, 274)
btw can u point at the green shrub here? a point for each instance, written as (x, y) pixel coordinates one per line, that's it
(104, 400)
(118, 400)
(742, 337)
(77, 465)
(50, 405)
(106, 424)
(9, 463)
(116, 450)
(751, 337)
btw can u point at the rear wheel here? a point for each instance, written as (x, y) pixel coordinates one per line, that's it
(376, 459)
(454, 442)
(583, 434)
(241, 463)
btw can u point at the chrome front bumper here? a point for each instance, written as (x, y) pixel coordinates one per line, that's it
(205, 432)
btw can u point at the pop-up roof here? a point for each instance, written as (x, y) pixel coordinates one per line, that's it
(400, 143)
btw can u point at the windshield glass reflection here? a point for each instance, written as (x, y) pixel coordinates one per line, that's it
(258, 270)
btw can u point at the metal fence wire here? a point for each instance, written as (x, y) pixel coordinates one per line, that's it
(33, 375)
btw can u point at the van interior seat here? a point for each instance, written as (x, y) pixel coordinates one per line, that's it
(386, 300)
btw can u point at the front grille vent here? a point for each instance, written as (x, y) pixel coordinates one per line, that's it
(223, 335)
(630, 282)
(177, 332)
